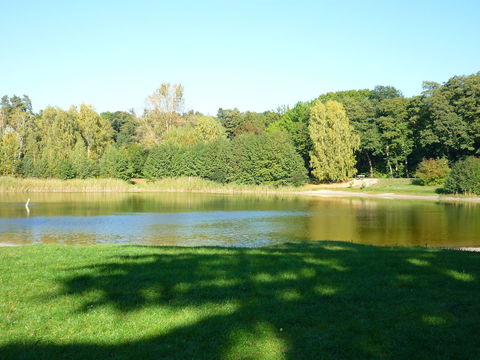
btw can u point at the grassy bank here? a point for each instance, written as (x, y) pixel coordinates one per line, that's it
(194, 184)
(303, 301)
(396, 186)
(402, 186)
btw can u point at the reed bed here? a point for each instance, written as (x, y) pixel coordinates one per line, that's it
(181, 184)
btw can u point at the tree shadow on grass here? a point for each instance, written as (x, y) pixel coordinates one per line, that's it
(297, 301)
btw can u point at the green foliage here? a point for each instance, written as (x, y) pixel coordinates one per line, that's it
(161, 115)
(164, 161)
(449, 117)
(267, 159)
(237, 123)
(432, 171)
(295, 122)
(124, 126)
(334, 143)
(251, 123)
(114, 164)
(83, 166)
(230, 120)
(136, 157)
(66, 170)
(95, 131)
(249, 159)
(26, 168)
(464, 177)
(208, 128)
(202, 129)
(9, 154)
(218, 157)
(381, 92)
(395, 133)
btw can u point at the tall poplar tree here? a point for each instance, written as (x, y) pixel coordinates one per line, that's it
(333, 142)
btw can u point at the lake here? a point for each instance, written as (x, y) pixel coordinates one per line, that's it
(192, 219)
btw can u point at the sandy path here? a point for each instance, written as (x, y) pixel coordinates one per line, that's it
(339, 193)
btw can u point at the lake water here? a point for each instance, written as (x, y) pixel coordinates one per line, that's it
(232, 220)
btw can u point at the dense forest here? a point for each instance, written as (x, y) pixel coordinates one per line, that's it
(378, 133)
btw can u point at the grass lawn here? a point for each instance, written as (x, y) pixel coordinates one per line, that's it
(397, 186)
(403, 186)
(298, 301)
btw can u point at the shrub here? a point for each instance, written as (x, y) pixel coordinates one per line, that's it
(114, 163)
(219, 161)
(83, 166)
(248, 159)
(163, 161)
(268, 158)
(136, 159)
(464, 177)
(27, 167)
(66, 170)
(432, 171)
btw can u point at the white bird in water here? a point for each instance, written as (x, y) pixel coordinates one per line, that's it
(26, 206)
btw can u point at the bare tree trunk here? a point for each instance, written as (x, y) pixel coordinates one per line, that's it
(389, 164)
(369, 164)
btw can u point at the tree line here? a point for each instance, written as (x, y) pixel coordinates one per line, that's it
(377, 132)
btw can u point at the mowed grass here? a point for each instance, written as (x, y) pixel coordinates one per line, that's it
(403, 186)
(396, 186)
(321, 300)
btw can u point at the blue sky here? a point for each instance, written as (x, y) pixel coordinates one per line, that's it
(255, 55)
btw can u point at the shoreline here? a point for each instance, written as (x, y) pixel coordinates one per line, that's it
(389, 196)
(10, 185)
(322, 193)
(463, 248)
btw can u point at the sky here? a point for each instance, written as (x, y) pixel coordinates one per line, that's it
(253, 55)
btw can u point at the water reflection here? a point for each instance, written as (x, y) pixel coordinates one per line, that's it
(232, 220)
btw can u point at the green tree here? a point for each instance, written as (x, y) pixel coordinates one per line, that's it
(464, 177)
(114, 163)
(95, 130)
(9, 154)
(124, 126)
(432, 171)
(162, 114)
(199, 129)
(334, 142)
(268, 158)
(251, 123)
(360, 106)
(56, 132)
(295, 122)
(381, 92)
(449, 117)
(83, 166)
(395, 134)
(136, 157)
(16, 117)
(208, 129)
(231, 120)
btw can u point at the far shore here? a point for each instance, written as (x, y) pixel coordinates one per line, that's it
(391, 189)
